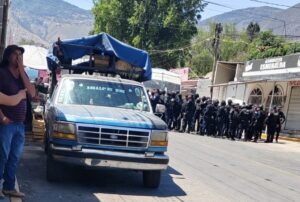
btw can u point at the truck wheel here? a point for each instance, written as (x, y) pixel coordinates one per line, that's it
(54, 170)
(151, 178)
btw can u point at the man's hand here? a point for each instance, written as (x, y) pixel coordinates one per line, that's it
(20, 63)
(30, 88)
(5, 121)
(22, 95)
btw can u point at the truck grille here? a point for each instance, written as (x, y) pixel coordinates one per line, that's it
(118, 137)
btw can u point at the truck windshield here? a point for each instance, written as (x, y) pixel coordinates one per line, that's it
(103, 93)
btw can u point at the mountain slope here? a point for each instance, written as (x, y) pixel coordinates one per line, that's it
(242, 17)
(44, 21)
(289, 18)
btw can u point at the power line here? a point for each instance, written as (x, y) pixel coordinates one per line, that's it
(275, 4)
(268, 17)
(179, 49)
(217, 4)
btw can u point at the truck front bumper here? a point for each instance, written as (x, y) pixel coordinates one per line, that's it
(110, 159)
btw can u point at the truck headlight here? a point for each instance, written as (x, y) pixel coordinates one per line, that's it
(159, 138)
(62, 130)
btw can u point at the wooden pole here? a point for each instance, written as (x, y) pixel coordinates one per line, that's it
(4, 27)
(216, 43)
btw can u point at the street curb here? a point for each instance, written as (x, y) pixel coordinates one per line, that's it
(293, 139)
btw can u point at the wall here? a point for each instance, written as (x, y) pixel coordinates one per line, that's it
(266, 88)
(240, 68)
(224, 73)
(216, 91)
(203, 88)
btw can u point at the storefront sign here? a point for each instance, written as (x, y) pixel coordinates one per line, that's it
(294, 83)
(289, 61)
(274, 63)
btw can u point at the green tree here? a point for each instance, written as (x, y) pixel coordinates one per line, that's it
(253, 30)
(112, 16)
(267, 45)
(233, 47)
(233, 44)
(151, 25)
(201, 55)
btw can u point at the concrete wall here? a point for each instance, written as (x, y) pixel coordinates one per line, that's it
(224, 73)
(203, 88)
(266, 88)
(231, 91)
(240, 68)
(240, 92)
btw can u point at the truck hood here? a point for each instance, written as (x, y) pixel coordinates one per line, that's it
(109, 116)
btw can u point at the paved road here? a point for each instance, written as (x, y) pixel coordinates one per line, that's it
(201, 169)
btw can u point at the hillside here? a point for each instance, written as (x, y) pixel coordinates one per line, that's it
(280, 21)
(242, 17)
(44, 21)
(290, 16)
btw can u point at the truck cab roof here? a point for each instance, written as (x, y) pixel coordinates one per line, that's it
(101, 78)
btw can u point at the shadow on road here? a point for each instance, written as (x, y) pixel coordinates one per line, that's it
(83, 184)
(123, 182)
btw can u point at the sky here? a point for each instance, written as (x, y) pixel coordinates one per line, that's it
(210, 10)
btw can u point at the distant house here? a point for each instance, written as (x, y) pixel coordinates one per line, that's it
(164, 81)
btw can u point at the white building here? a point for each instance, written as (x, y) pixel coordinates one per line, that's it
(270, 82)
(164, 80)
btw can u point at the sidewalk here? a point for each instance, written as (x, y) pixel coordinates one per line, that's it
(284, 137)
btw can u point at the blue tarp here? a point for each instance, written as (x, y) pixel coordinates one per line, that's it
(105, 44)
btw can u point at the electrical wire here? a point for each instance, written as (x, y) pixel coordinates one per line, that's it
(275, 4)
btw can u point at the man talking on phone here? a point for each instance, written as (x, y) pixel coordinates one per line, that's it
(13, 79)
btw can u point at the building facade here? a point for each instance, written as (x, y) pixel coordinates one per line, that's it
(268, 82)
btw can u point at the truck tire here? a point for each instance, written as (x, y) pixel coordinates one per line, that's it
(54, 170)
(151, 179)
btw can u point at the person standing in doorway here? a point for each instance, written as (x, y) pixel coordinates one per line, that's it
(13, 78)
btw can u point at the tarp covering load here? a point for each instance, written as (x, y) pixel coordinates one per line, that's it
(100, 53)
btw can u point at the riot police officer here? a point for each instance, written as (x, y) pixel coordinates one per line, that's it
(228, 110)
(196, 118)
(210, 118)
(188, 110)
(272, 122)
(178, 111)
(222, 117)
(233, 121)
(245, 120)
(203, 106)
(282, 120)
(259, 117)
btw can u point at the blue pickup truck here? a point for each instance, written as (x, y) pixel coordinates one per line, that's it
(104, 121)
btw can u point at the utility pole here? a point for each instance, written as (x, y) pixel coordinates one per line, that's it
(284, 27)
(4, 18)
(215, 45)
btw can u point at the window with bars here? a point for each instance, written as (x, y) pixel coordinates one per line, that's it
(278, 98)
(256, 97)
